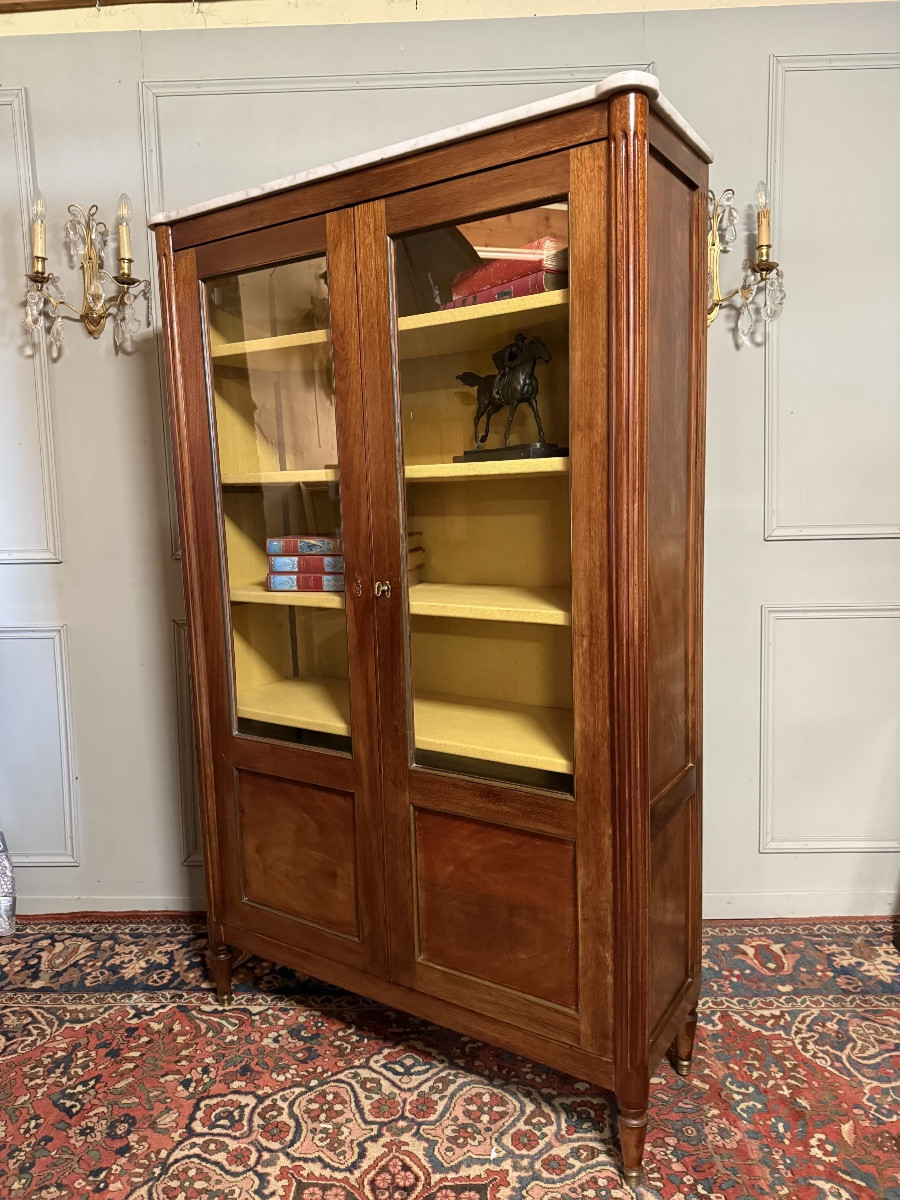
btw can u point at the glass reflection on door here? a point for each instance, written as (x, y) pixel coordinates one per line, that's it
(482, 314)
(273, 405)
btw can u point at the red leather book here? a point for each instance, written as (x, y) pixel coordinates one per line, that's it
(309, 544)
(306, 564)
(546, 254)
(304, 583)
(528, 285)
(316, 544)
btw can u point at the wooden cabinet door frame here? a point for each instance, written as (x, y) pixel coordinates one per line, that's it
(585, 823)
(352, 780)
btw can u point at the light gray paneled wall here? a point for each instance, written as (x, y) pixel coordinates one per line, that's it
(111, 768)
(795, 447)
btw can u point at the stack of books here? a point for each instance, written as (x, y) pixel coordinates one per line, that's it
(305, 564)
(541, 266)
(310, 563)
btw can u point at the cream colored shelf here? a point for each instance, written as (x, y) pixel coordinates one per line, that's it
(483, 326)
(438, 472)
(242, 478)
(269, 353)
(534, 606)
(316, 703)
(518, 734)
(256, 593)
(531, 606)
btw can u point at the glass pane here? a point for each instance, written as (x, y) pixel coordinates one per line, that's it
(482, 343)
(270, 354)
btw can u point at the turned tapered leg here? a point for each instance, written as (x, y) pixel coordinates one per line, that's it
(632, 1131)
(682, 1049)
(221, 959)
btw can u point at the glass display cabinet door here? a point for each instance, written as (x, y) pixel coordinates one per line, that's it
(293, 711)
(272, 383)
(482, 320)
(483, 774)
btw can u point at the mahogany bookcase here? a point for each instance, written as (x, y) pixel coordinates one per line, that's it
(469, 789)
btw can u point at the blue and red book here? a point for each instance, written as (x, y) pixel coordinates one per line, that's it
(311, 563)
(283, 582)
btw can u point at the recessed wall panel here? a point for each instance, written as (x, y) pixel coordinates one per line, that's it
(217, 121)
(834, 372)
(28, 510)
(37, 775)
(831, 729)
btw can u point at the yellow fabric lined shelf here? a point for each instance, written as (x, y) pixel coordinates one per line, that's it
(316, 703)
(519, 734)
(416, 473)
(481, 326)
(439, 472)
(268, 353)
(243, 478)
(531, 605)
(257, 593)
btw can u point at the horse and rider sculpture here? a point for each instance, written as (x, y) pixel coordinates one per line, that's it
(515, 383)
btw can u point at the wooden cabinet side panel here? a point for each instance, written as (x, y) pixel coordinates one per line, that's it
(591, 610)
(676, 329)
(186, 389)
(669, 409)
(628, 153)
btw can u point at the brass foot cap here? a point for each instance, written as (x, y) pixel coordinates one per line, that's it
(226, 1000)
(634, 1178)
(682, 1066)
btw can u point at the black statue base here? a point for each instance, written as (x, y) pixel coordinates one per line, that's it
(528, 450)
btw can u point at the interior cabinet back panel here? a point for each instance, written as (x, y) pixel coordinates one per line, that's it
(497, 903)
(298, 851)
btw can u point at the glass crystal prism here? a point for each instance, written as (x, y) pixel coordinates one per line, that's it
(745, 321)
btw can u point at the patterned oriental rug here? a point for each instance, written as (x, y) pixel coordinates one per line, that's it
(120, 1074)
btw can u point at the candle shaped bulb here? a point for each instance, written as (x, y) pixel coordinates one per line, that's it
(39, 226)
(125, 214)
(764, 237)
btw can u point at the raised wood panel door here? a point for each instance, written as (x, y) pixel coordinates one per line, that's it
(288, 640)
(491, 618)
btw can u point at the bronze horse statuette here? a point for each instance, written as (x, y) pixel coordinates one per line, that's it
(515, 383)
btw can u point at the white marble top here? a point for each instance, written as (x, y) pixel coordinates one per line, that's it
(624, 81)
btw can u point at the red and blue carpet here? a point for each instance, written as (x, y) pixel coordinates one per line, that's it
(120, 1074)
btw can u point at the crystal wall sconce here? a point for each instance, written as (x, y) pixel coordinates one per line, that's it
(85, 236)
(761, 272)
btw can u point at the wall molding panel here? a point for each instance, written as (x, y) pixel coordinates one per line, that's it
(801, 726)
(778, 525)
(48, 697)
(47, 547)
(191, 841)
(155, 92)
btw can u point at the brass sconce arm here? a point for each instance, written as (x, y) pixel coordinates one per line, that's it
(762, 271)
(85, 235)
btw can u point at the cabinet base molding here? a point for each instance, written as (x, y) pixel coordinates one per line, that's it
(583, 1064)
